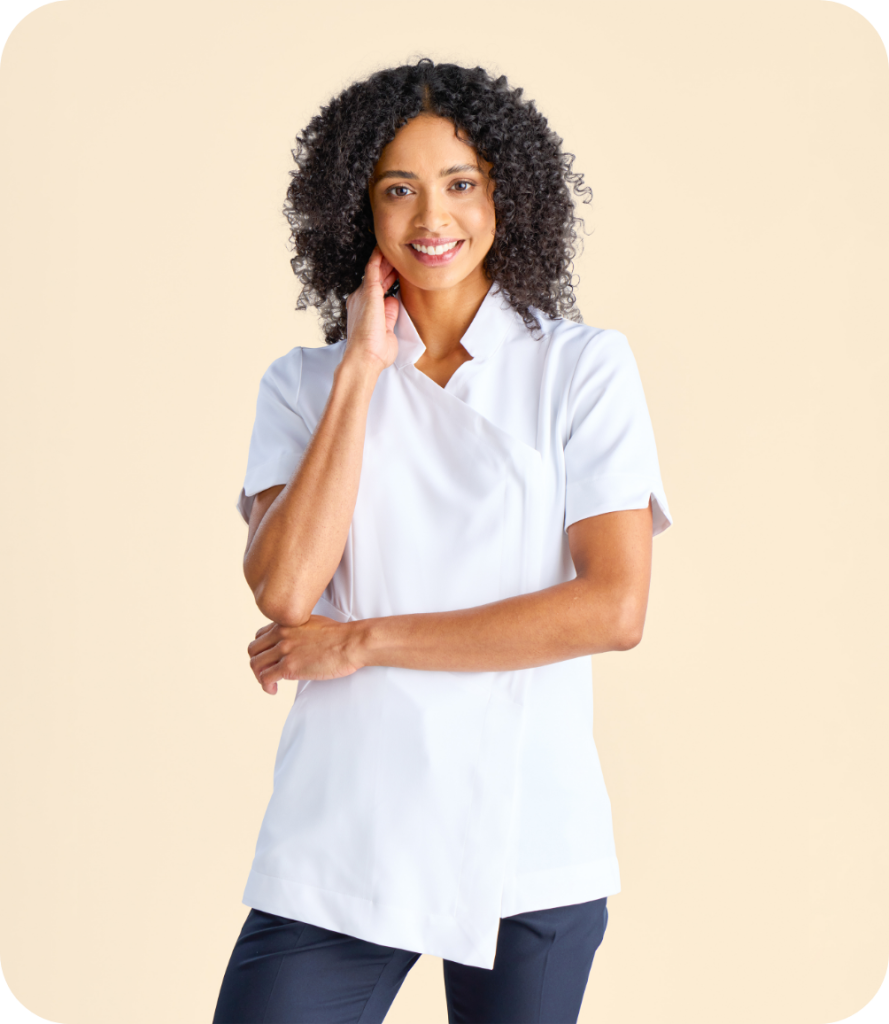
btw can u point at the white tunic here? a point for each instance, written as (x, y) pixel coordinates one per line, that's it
(414, 808)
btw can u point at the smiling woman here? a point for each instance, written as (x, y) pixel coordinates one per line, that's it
(329, 203)
(455, 206)
(450, 506)
(458, 197)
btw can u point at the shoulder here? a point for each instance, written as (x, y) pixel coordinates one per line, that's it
(576, 339)
(303, 376)
(582, 351)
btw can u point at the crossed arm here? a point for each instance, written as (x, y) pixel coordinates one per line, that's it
(603, 609)
(296, 538)
(297, 534)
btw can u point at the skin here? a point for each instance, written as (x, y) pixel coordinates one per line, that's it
(297, 533)
(423, 203)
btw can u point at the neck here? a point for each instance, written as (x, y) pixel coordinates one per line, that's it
(443, 317)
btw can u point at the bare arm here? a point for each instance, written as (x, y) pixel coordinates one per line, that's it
(297, 533)
(603, 609)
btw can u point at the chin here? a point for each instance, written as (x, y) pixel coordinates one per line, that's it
(437, 279)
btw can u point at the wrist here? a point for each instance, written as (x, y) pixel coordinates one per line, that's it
(362, 646)
(358, 369)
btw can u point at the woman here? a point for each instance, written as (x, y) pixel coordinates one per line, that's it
(450, 508)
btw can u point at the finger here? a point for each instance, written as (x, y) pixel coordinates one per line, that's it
(386, 267)
(270, 685)
(262, 661)
(372, 269)
(263, 643)
(268, 678)
(265, 628)
(389, 278)
(391, 312)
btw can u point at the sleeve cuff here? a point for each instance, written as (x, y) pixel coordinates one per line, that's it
(267, 474)
(597, 495)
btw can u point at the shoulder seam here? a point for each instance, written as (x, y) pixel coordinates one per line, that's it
(619, 337)
(299, 383)
(596, 332)
(270, 378)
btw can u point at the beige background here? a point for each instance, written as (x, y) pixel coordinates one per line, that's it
(738, 154)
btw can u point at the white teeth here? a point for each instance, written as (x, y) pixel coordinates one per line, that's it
(434, 250)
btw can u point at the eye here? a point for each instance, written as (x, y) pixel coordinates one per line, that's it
(469, 185)
(391, 191)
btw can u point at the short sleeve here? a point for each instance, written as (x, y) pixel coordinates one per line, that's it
(280, 435)
(611, 459)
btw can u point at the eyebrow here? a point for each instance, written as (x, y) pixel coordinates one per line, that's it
(456, 169)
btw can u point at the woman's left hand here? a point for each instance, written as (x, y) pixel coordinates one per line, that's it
(320, 648)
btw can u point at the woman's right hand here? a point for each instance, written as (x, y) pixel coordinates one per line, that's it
(370, 317)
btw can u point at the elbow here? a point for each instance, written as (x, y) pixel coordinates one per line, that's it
(627, 638)
(285, 610)
(628, 625)
(278, 603)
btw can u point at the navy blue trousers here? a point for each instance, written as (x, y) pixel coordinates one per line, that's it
(287, 972)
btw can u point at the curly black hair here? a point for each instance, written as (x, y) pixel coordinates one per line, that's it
(329, 209)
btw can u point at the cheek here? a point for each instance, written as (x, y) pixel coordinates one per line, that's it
(484, 222)
(387, 228)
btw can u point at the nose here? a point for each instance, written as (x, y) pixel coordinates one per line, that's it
(432, 213)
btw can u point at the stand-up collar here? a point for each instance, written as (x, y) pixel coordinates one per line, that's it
(484, 335)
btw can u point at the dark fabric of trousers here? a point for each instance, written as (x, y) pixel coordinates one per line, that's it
(288, 972)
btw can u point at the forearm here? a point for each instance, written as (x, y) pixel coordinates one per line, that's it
(301, 538)
(569, 620)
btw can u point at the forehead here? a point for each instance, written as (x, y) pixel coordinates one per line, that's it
(428, 142)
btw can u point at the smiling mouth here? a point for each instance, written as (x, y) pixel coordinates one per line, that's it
(439, 254)
(435, 250)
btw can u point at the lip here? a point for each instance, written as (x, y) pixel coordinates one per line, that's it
(441, 240)
(429, 260)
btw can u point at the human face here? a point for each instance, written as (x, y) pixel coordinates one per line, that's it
(430, 188)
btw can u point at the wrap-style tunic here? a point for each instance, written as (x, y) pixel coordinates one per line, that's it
(415, 808)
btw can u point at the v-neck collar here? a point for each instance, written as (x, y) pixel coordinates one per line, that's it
(483, 337)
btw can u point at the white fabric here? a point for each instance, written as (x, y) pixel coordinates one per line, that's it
(412, 808)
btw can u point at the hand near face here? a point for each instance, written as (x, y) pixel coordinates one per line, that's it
(371, 317)
(320, 648)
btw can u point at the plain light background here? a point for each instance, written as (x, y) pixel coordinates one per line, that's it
(738, 157)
